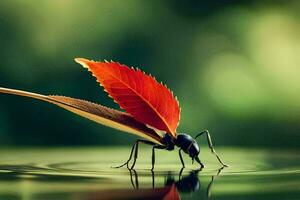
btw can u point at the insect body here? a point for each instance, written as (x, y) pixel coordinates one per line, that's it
(152, 112)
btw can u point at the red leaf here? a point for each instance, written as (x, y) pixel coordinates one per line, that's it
(139, 94)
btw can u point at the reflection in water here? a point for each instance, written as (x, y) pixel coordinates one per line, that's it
(170, 191)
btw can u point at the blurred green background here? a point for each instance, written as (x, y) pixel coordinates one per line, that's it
(234, 65)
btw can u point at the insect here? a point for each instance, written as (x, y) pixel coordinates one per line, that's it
(152, 111)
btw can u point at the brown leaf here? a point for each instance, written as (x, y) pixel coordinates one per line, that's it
(95, 112)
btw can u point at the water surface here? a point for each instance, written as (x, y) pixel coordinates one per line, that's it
(86, 173)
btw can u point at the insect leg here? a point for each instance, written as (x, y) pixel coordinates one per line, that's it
(153, 154)
(127, 162)
(181, 159)
(198, 161)
(210, 145)
(137, 149)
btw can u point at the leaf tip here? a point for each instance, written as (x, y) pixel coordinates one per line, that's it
(82, 61)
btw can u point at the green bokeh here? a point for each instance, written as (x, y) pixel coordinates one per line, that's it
(234, 66)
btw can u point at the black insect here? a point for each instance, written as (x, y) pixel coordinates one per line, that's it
(184, 142)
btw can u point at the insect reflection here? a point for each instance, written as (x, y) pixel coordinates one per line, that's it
(185, 184)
